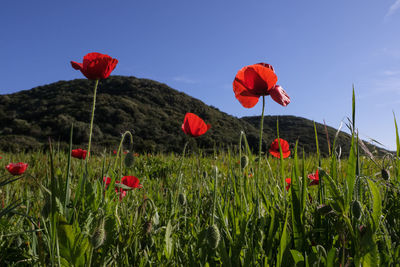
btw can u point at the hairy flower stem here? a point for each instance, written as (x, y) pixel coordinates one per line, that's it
(261, 131)
(215, 195)
(91, 120)
(260, 150)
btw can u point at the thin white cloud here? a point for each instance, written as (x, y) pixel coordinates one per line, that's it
(393, 8)
(391, 72)
(387, 84)
(183, 79)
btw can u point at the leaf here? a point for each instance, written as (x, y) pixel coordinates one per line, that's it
(297, 256)
(168, 241)
(283, 243)
(330, 259)
(351, 172)
(338, 200)
(74, 246)
(296, 208)
(376, 204)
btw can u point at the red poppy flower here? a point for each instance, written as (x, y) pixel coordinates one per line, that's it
(131, 181)
(314, 178)
(96, 66)
(289, 182)
(17, 168)
(194, 126)
(78, 153)
(274, 148)
(256, 80)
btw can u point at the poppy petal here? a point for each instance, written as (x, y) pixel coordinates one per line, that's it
(279, 95)
(194, 126)
(254, 82)
(266, 74)
(274, 148)
(76, 65)
(96, 66)
(245, 97)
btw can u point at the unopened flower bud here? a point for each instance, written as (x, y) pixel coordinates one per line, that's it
(99, 235)
(213, 236)
(356, 209)
(244, 161)
(385, 174)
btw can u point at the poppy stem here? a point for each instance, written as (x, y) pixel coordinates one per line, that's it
(261, 129)
(259, 152)
(91, 120)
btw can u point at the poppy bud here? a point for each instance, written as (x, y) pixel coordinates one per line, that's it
(129, 160)
(362, 229)
(324, 209)
(46, 208)
(147, 227)
(213, 236)
(385, 174)
(205, 174)
(182, 199)
(244, 161)
(356, 209)
(99, 235)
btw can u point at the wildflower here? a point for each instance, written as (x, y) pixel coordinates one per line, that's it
(131, 181)
(17, 168)
(96, 66)
(257, 80)
(78, 153)
(314, 178)
(274, 148)
(289, 182)
(194, 126)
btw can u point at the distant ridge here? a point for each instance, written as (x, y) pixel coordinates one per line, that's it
(153, 111)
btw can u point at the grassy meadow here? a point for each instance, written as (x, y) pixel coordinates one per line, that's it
(227, 209)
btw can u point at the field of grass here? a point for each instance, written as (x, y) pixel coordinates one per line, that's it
(197, 210)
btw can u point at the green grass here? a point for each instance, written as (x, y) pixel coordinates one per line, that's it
(169, 222)
(198, 210)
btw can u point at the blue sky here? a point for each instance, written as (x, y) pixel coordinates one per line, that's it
(319, 49)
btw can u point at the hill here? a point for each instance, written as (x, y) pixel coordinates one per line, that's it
(152, 111)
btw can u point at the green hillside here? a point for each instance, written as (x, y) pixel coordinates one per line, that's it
(152, 111)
